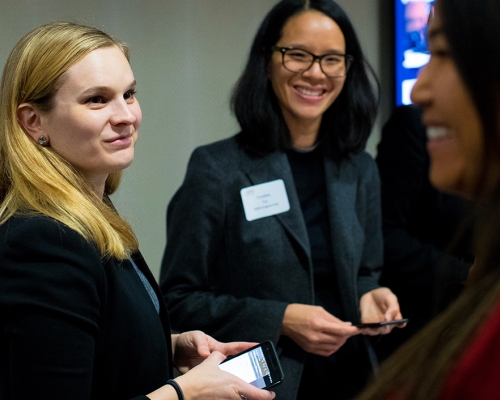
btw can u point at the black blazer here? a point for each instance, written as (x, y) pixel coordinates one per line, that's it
(74, 326)
(234, 279)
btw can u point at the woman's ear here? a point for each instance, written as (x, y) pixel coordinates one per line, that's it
(28, 117)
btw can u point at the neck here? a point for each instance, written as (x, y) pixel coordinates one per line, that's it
(304, 134)
(97, 183)
(303, 131)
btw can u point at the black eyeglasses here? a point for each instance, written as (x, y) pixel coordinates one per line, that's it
(333, 65)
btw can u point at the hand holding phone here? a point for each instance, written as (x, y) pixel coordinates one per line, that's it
(258, 366)
(383, 323)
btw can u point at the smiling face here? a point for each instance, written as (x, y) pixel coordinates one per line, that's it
(96, 117)
(455, 138)
(304, 97)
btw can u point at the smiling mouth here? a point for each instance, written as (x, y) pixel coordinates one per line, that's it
(437, 133)
(310, 92)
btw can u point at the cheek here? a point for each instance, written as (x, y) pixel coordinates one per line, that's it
(279, 79)
(447, 168)
(456, 167)
(337, 87)
(68, 131)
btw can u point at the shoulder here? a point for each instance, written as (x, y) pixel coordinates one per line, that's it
(221, 150)
(47, 263)
(362, 165)
(361, 160)
(38, 228)
(219, 159)
(27, 241)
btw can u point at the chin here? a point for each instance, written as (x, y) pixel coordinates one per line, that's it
(120, 166)
(449, 184)
(442, 180)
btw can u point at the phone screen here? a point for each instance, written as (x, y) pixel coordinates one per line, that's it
(254, 367)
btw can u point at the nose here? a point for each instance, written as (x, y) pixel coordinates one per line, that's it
(123, 113)
(420, 93)
(314, 70)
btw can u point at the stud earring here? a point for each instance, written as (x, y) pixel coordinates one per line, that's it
(42, 141)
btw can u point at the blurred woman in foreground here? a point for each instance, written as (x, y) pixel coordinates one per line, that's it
(458, 356)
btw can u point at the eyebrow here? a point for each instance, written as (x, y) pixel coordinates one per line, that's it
(97, 89)
(302, 47)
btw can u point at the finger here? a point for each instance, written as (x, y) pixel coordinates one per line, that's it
(370, 331)
(233, 348)
(383, 330)
(216, 357)
(199, 341)
(327, 339)
(343, 330)
(325, 349)
(203, 348)
(392, 309)
(249, 392)
(392, 312)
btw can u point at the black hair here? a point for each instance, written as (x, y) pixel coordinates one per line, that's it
(471, 29)
(422, 367)
(347, 123)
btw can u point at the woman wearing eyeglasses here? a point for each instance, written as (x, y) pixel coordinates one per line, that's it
(275, 233)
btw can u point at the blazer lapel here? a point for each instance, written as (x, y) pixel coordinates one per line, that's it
(275, 166)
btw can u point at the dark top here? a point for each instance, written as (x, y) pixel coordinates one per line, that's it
(309, 177)
(419, 224)
(344, 371)
(74, 326)
(234, 278)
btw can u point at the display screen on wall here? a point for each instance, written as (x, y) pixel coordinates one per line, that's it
(411, 18)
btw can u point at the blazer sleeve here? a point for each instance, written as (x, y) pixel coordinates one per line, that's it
(372, 256)
(49, 284)
(195, 274)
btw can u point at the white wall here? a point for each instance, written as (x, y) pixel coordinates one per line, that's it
(186, 56)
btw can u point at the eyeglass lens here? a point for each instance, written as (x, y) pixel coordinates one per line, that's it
(333, 65)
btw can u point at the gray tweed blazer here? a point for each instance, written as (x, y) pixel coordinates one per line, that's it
(233, 278)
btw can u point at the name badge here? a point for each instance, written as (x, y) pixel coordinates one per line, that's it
(264, 200)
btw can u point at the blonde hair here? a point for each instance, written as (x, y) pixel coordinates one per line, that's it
(34, 179)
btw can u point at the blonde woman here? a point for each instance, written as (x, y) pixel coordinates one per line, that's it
(81, 316)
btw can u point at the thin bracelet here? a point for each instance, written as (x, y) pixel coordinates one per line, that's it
(177, 388)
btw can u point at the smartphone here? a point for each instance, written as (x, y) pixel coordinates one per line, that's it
(383, 323)
(258, 366)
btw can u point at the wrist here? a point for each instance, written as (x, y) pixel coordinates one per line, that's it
(178, 390)
(188, 386)
(166, 392)
(288, 316)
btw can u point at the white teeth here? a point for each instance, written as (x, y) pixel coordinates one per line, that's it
(310, 92)
(434, 133)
